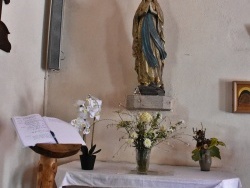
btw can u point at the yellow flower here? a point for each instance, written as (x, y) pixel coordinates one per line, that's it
(145, 117)
(162, 128)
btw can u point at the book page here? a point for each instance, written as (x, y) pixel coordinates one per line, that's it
(32, 129)
(64, 132)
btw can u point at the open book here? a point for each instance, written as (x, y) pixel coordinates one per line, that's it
(35, 129)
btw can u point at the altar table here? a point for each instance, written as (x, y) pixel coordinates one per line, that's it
(123, 175)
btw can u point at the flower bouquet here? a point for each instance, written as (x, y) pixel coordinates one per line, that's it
(205, 149)
(144, 130)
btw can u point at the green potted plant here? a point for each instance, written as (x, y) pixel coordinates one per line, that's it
(88, 157)
(87, 110)
(205, 149)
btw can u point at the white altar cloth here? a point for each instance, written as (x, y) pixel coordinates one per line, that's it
(123, 175)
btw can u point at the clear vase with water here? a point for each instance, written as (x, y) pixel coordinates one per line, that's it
(142, 160)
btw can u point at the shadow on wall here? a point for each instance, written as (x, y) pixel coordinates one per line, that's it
(225, 95)
(26, 159)
(28, 173)
(247, 26)
(97, 42)
(3, 154)
(120, 62)
(229, 154)
(171, 33)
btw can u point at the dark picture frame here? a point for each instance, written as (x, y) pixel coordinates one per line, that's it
(54, 35)
(241, 96)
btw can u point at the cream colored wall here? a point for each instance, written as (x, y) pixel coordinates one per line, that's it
(22, 88)
(208, 47)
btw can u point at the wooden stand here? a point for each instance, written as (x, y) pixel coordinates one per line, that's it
(47, 166)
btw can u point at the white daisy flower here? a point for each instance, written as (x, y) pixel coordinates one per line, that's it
(147, 143)
(134, 135)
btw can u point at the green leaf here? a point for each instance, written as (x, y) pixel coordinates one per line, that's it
(215, 152)
(92, 149)
(221, 143)
(214, 142)
(84, 150)
(97, 151)
(196, 154)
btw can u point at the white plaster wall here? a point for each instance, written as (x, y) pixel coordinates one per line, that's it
(208, 47)
(22, 89)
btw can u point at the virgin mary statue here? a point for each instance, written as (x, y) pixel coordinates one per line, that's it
(148, 47)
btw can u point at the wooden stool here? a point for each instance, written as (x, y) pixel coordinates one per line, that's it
(47, 166)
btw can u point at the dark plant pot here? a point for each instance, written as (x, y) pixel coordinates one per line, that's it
(205, 161)
(87, 161)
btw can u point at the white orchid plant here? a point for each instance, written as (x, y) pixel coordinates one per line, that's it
(145, 130)
(88, 110)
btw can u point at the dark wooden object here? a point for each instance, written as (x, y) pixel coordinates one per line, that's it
(4, 42)
(47, 166)
(1, 3)
(55, 26)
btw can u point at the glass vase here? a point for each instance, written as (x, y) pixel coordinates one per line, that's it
(142, 160)
(206, 160)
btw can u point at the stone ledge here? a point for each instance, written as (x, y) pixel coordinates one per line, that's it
(149, 102)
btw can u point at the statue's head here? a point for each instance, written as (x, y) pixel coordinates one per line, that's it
(4, 42)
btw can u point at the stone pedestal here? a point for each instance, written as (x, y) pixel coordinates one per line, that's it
(149, 102)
